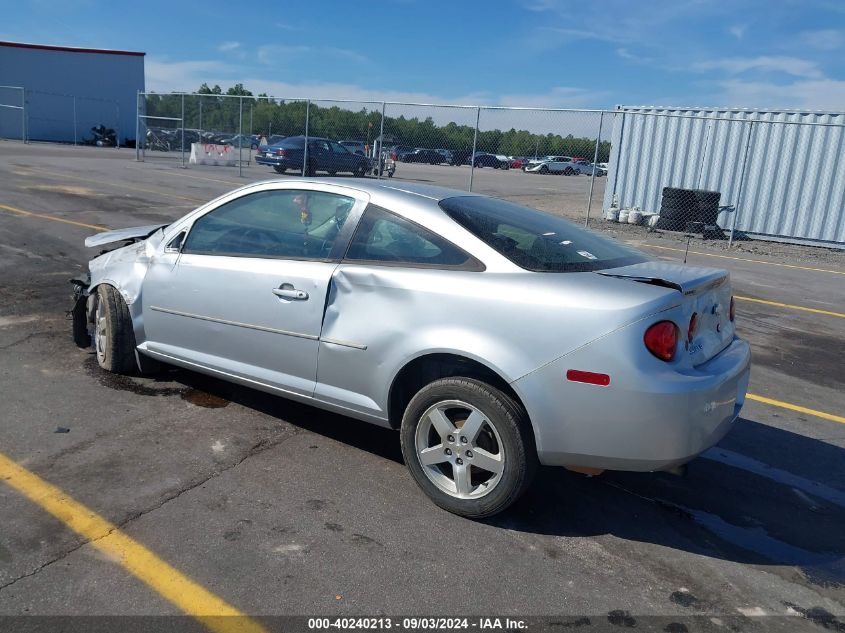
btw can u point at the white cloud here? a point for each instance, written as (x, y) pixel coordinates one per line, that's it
(166, 76)
(228, 46)
(738, 31)
(815, 94)
(163, 75)
(275, 53)
(624, 53)
(823, 40)
(286, 27)
(764, 63)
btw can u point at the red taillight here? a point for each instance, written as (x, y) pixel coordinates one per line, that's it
(589, 377)
(661, 339)
(393, 156)
(280, 152)
(731, 312)
(693, 326)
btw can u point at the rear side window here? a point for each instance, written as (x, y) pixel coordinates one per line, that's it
(535, 240)
(385, 238)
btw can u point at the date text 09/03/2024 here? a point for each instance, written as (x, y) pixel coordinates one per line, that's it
(417, 623)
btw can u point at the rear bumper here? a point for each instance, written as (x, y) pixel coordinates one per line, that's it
(642, 421)
(274, 161)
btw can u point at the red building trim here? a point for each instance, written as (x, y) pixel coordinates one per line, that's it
(71, 49)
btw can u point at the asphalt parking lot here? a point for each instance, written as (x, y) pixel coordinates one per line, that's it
(272, 508)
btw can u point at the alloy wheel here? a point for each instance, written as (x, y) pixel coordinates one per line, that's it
(459, 449)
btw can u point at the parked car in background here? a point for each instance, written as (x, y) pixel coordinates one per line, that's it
(551, 165)
(586, 167)
(608, 359)
(430, 156)
(400, 150)
(323, 155)
(275, 139)
(490, 160)
(460, 157)
(447, 154)
(243, 140)
(517, 163)
(356, 147)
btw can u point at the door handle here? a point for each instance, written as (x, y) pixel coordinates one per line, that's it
(287, 291)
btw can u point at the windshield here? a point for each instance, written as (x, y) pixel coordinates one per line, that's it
(535, 240)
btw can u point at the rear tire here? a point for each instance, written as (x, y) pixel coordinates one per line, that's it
(114, 338)
(544, 169)
(279, 169)
(478, 474)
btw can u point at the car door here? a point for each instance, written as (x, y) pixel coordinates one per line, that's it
(388, 283)
(243, 291)
(343, 159)
(320, 155)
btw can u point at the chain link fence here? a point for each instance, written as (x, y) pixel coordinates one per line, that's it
(13, 113)
(723, 175)
(38, 115)
(705, 174)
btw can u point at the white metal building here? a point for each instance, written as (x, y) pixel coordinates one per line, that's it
(67, 91)
(784, 171)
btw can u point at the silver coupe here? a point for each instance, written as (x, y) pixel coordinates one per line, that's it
(494, 337)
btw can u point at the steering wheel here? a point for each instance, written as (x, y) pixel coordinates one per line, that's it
(316, 247)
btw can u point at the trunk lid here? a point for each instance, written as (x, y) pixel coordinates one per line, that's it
(705, 292)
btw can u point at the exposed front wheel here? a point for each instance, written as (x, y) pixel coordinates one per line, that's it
(114, 338)
(469, 446)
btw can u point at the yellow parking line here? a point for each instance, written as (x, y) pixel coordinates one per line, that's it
(791, 307)
(167, 581)
(117, 184)
(45, 216)
(744, 259)
(795, 407)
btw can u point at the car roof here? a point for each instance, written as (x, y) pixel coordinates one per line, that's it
(380, 188)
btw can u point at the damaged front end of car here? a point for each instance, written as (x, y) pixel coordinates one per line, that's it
(116, 266)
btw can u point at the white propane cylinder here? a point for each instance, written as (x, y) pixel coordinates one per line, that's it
(623, 215)
(612, 214)
(635, 216)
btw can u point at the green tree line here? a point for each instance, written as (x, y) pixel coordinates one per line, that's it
(263, 115)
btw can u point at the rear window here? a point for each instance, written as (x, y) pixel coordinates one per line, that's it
(535, 240)
(293, 142)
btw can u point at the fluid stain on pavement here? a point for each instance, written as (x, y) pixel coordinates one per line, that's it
(128, 383)
(203, 399)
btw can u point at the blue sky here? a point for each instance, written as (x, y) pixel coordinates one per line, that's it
(553, 53)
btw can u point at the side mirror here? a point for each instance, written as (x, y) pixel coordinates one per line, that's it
(175, 245)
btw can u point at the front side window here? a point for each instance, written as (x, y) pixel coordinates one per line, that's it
(382, 237)
(289, 224)
(337, 148)
(535, 240)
